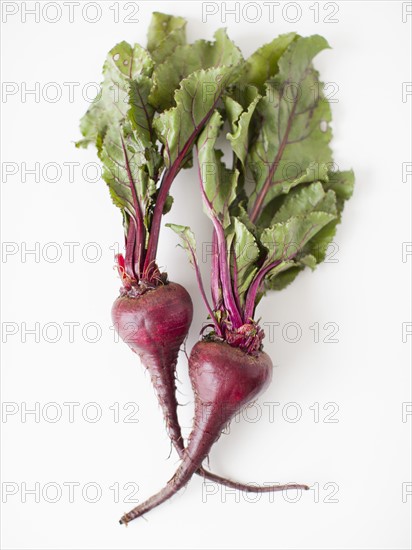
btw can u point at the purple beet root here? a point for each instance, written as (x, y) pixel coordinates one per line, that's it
(224, 379)
(154, 325)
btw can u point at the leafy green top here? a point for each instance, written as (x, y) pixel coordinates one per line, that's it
(153, 104)
(275, 212)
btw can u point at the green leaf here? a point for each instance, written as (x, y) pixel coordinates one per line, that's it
(293, 243)
(233, 110)
(246, 252)
(240, 213)
(219, 183)
(339, 189)
(115, 173)
(119, 123)
(239, 137)
(287, 271)
(141, 112)
(314, 172)
(263, 64)
(166, 32)
(280, 280)
(168, 204)
(308, 260)
(342, 184)
(287, 239)
(187, 59)
(124, 63)
(188, 240)
(294, 133)
(318, 246)
(196, 100)
(303, 200)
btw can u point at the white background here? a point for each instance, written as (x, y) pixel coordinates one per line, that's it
(365, 454)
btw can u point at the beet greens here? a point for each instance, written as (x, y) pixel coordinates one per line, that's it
(275, 211)
(153, 104)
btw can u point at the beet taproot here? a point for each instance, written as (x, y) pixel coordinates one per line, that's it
(224, 379)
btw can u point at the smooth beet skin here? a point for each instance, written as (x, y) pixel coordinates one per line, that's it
(224, 379)
(155, 325)
(222, 374)
(158, 317)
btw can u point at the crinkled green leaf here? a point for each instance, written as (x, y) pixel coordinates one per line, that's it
(285, 240)
(188, 240)
(240, 213)
(219, 183)
(243, 94)
(314, 172)
(123, 64)
(196, 100)
(294, 132)
(286, 272)
(141, 112)
(166, 32)
(339, 188)
(278, 280)
(128, 167)
(263, 64)
(293, 244)
(119, 123)
(130, 61)
(342, 183)
(317, 247)
(306, 199)
(187, 59)
(308, 260)
(233, 110)
(115, 173)
(239, 137)
(245, 250)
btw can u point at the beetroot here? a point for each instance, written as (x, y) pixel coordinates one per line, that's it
(224, 379)
(154, 325)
